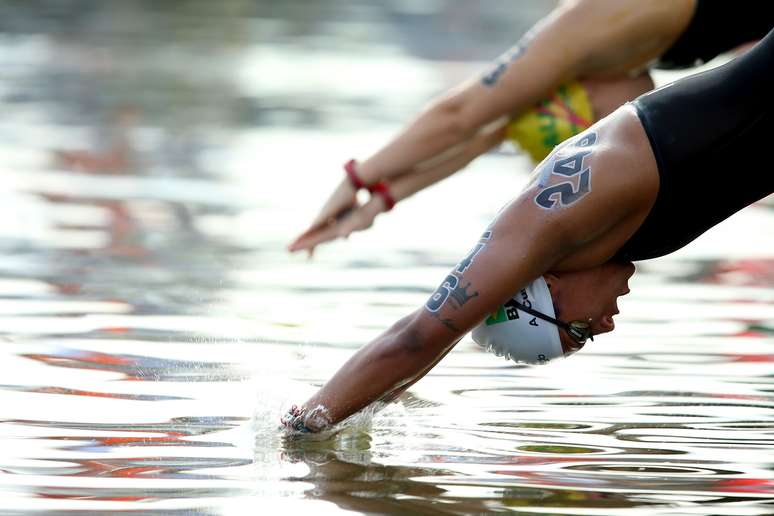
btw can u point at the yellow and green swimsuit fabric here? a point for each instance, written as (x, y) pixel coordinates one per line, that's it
(566, 113)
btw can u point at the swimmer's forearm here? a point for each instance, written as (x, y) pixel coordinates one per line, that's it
(393, 360)
(436, 131)
(408, 184)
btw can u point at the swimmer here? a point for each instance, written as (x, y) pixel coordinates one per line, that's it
(583, 60)
(545, 276)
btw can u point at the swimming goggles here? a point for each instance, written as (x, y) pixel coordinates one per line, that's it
(579, 331)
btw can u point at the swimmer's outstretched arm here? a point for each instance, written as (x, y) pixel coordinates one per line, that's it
(413, 345)
(401, 187)
(560, 221)
(581, 38)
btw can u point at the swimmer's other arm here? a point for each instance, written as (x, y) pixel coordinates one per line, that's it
(576, 40)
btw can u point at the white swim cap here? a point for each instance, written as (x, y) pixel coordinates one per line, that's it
(515, 334)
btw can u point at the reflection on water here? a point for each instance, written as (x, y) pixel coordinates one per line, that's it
(153, 327)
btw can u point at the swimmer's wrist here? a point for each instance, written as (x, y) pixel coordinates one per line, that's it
(383, 193)
(317, 419)
(380, 206)
(353, 175)
(378, 189)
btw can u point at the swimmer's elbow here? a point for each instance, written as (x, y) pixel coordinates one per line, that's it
(455, 117)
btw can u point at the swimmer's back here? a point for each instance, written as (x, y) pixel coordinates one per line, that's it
(716, 27)
(710, 135)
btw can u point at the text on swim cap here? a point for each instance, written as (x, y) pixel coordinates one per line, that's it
(509, 311)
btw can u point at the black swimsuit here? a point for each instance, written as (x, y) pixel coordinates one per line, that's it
(714, 146)
(717, 27)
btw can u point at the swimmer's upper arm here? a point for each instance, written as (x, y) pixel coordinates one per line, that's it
(593, 182)
(547, 55)
(578, 39)
(618, 37)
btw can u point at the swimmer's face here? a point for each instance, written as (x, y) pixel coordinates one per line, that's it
(590, 293)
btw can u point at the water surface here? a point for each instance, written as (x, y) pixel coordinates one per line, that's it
(155, 163)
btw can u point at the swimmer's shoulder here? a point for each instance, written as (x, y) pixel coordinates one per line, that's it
(624, 158)
(593, 182)
(616, 150)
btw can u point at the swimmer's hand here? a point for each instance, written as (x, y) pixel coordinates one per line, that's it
(346, 219)
(342, 200)
(293, 420)
(304, 421)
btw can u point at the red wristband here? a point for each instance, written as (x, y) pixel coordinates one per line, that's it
(349, 168)
(383, 190)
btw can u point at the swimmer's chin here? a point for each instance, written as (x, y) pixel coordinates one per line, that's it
(607, 324)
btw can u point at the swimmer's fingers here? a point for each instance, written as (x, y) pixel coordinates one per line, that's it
(341, 200)
(319, 235)
(355, 220)
(337, 207)
(294, 420)
(361, 218)
(313, 237)
(300, 241)
(302, 420)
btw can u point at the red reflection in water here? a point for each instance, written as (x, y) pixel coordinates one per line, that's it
(174, 432)
(93, 394)
(81, 496)
(750, 273)
(118, 155)
(748, 357)
(746, 485)
(138, 367)
(91, 360)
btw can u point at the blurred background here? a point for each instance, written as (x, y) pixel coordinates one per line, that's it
(156, 158)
